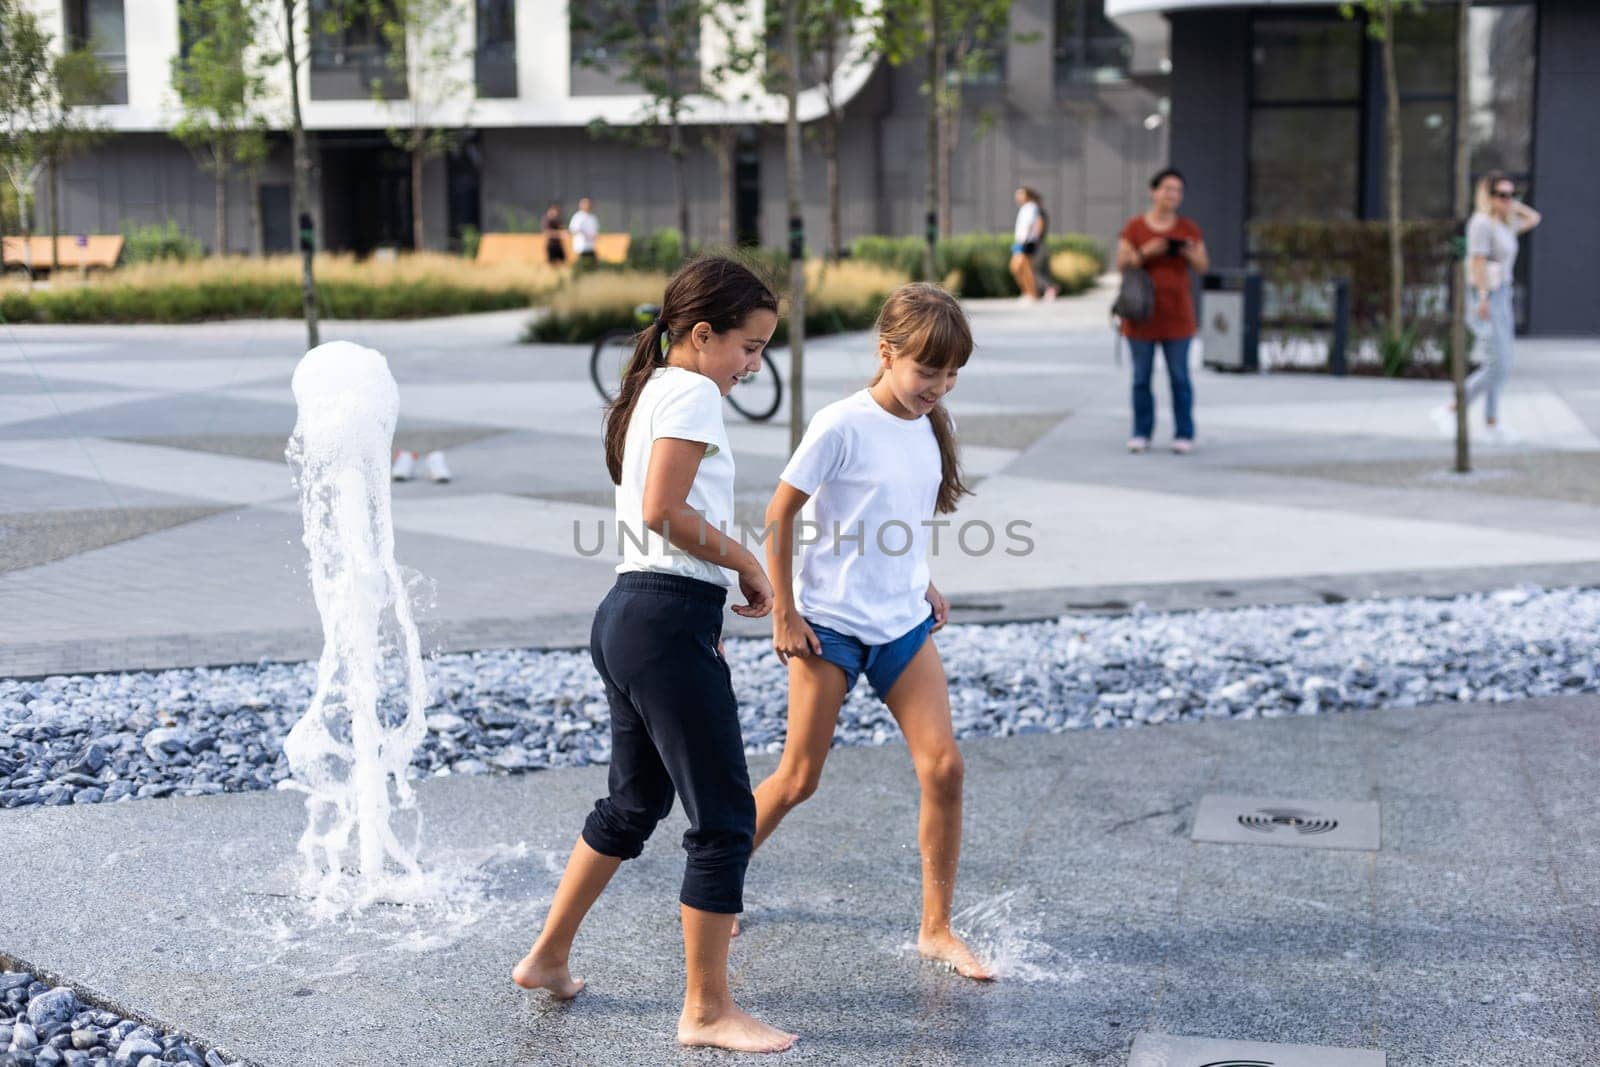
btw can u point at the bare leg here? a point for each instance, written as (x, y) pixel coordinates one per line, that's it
(920, 703)
(545, 965)
(710, 1017)
(816, 693)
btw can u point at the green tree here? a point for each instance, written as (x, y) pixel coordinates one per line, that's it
(426, 54)
(831, 40)
(793, 189)
(77, 80)
(1382, 17)
(655, 45)
(219, 85)
(25, 81)
(972, 34)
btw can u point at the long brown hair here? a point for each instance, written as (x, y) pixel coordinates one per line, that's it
(712, 289)
(925, 323)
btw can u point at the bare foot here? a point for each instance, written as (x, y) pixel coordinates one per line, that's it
(736, 927)
(554, 978)
(950, 950)
(736, 1030)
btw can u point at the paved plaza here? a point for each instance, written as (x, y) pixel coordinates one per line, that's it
(1408, 886)
(1471, 935)
(147, 518)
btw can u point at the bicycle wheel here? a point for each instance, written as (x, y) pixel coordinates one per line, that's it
(609, 360)
(759, 396)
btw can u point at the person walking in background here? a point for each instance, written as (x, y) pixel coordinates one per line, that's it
(1492, 232)
(1044, 280)
(585, 229)
(1023, 243)
(1168, 247)
(555, 250)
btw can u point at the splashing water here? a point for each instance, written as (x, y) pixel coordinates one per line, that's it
(1011, 943)
(352, 749)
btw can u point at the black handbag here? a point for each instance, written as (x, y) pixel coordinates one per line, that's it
(1136, 298)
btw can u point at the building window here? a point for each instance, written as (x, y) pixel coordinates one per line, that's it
(98, 26)
(496, 58)
(352, 60)
(1090, 48)
(1305, 118)
(1503, 43)
(612, 38)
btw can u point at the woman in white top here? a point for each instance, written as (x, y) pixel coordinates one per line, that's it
(1492, 234)
(871, 474)
(1025, 242)
(657, 644)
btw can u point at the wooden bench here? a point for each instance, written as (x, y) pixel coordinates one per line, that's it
(99, 250)
(530, 247)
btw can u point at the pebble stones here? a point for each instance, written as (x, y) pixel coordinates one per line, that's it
(44, 1026)
(112, 738)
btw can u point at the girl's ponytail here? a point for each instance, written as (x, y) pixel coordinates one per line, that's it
(648, 354)
(715, 290)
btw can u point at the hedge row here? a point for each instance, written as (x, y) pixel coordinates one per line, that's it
(975, 265)
(110, 302)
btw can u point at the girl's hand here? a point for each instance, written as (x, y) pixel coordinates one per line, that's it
(757, 591)
(1154, 247)
(941, 608)
(793, 636)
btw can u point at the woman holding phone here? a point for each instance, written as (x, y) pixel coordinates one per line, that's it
(1168, 247)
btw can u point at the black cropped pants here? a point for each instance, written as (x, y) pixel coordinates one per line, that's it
(674, 727)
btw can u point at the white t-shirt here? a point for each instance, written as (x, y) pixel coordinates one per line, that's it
(1027, 215)
(1496, 241)
(585, 228)
(681, 404)
(874, 480)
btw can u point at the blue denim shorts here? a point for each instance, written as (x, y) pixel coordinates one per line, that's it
(883, 664)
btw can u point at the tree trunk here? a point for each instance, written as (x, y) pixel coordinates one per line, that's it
(257, 239)
(679, 179)
(830, 146)
(55, 216)
(950, 122)
(416, 200)
(1463, 192)
(222, 209)
(302, 181)
(724, 145)
(1392, 148)
(797, 263)
(935, 47)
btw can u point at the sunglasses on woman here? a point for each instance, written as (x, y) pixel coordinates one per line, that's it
(1504, 194)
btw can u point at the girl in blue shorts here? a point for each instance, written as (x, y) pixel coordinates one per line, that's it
(869, 476)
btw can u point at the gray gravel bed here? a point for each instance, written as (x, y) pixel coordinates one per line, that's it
(85, 739)
(46, 1026)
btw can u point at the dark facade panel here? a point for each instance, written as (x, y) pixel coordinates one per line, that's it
(1210, 125)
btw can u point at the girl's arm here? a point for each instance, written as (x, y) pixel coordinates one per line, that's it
(1478, 274)
(791, 634)
(666, 511)
(1195, 253)
(1527, 218)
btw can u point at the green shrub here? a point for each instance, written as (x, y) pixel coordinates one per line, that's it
(981, 262)
(1298, 259)
(471, 238)
(146, 243)
(661, 250)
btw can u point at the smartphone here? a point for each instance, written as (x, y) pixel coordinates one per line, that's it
(1176, 245)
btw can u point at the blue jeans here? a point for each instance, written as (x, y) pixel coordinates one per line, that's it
(1495, 334)
(1176, 352)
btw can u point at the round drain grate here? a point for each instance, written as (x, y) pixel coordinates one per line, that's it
(1267, 821)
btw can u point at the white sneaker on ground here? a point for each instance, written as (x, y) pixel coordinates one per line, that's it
(436, 467)
(1444, 420)
(1138, 444)
(1182, 446)
(1500, 434)
(405, 466)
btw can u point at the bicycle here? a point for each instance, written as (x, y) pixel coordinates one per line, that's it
(757, 397)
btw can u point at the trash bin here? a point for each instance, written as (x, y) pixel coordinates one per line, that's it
(1230, 320)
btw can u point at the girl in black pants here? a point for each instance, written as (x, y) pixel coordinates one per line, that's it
(657, 644)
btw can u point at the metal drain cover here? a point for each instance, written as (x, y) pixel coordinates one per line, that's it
(1352, 824)
(1165, 1050)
